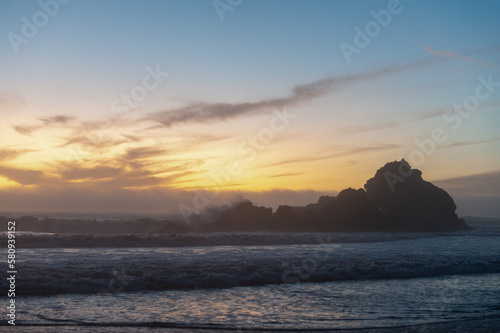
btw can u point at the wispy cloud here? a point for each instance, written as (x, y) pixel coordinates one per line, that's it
(58, 119)
(483, 184)
(144, 152)
(26, 130)
(335, 151)
(8, 154)
(369, 127)
(430, 114)
(469, 143)
(442, 111)
(341, 150)
(451, 54)
(212, 112)
(286, 175)
(47, 121)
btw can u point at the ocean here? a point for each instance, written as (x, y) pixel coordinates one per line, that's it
(260, 282)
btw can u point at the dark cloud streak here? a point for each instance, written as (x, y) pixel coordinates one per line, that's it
(23, 177)
(212, 112)
(368, 128)
(469, 143)
(8, 154)
(47, 121)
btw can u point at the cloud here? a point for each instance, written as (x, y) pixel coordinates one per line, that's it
(474, 195)
(286, 175)
(478, 206)
(212, 112)
(132, 138)
(344, 151)
(442, 111)
(26, 130)
(296, 160)
(338, 151)
(102, 178)
(430, 114)
(47, 121)
(469, 143)
(8, 154)
(367, 128)
(451, 54)
(58, 119)
(92, 142)
(482, 185)
(132, 168)
(143, 152)
(23, 177)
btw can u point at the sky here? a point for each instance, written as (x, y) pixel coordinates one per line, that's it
(173, 106)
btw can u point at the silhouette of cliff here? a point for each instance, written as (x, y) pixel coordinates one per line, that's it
(411, 203)
(314, 207)
(351, 211)
(396, 199)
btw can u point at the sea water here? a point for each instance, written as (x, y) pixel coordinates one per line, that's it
(414, 282)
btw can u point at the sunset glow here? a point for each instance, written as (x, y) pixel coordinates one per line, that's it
(97, 115)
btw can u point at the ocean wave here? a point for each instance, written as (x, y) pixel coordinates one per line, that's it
(83, 282)
(49, 240)
(58, 271)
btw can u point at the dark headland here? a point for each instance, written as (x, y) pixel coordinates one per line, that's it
(395, 199)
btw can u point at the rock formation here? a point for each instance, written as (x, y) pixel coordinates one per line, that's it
(396, 199)
(410, 203)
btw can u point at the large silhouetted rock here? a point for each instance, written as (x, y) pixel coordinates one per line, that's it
(286, 218)
(410, 203)
(396, 199)
(314, 207)
(352, 211)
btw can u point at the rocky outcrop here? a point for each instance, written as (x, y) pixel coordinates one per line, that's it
(314, 207)
(410, 203)
(396, 199)
(351, 211)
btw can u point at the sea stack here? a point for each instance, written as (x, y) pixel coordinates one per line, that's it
(410, 203)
